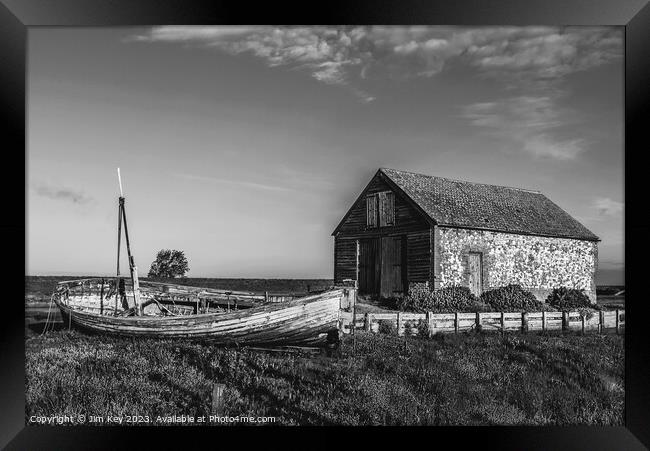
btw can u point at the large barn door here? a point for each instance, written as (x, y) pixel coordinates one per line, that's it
(392, 264)
(475, 273)
(369, 266)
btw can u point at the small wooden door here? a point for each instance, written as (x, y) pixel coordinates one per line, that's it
(369, 266)
(475, 264)
(392, 264)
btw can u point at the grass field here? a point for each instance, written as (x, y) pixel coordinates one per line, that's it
(469, 379)
(465, 379)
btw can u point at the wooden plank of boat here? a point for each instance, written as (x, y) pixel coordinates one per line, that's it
(289, 349)
(261, 321)
(287, 330)
(299, 321)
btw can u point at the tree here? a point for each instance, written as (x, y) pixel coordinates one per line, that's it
(169, 263)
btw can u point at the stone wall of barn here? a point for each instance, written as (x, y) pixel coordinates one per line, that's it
(538, 264)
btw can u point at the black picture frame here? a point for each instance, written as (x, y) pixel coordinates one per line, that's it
(17, 16)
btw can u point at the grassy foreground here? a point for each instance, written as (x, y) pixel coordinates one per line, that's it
(469, 379)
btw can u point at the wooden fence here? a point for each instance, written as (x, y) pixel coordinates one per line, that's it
(433, 323)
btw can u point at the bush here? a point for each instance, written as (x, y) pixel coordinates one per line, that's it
(387, 327)
(418, 297)
(565, 299)
(454, 299)
(511, 298)
(444, 300)
(423, 328)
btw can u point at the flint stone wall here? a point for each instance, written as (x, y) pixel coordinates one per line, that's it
(538, 264)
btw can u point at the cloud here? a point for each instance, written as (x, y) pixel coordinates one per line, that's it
(531, 121)
(189, 33)
(246, 184)
(65, 194)
(347, 55)
(608, 207)
(542, 52)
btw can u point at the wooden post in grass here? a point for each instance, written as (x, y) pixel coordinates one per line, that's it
(366, 323)
(354, 320)
(618, 323)
(601, 321)
(478, 321)
(565, 320)
(456, 322)
(429, 324)
(399, 322)
(217, 399)
(524, 322)
(503, 323)
(582, 319)
(543, 320)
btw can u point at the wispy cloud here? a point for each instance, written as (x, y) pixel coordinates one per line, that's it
(531, 121)
(531, 61)
(345, 56)
(607, 207)
(254, 185)
(64, 194)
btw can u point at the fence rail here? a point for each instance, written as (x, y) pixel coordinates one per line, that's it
(434, 323)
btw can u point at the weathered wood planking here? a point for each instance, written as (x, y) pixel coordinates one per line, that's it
(408, 223)
(299, 321)
(488, 321)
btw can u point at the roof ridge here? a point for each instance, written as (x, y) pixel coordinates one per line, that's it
(465, 181)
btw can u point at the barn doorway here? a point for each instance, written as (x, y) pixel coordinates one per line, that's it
(475, 263)
(369, 273)
(382, 267)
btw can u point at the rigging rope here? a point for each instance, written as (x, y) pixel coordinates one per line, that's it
(49, 310)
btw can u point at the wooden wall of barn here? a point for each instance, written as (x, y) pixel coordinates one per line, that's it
(418, 250)
(409, 222)
(407, 218)
(345, 259)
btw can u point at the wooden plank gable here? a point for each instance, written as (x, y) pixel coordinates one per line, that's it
(396, 213)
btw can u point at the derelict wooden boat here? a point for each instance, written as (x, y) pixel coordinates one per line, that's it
(148, 309)
(177, 311)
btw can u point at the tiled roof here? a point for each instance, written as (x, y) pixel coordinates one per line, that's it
(457, 203)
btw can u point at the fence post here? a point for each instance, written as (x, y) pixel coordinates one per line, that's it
(366, 324)
(543, 320)
(429, 324)
(503, 323)
(524, 322)
(478, 321)
(399, 323)
(601, 321)
(582, 318)
(565, 320)
(456, 322)
(618, 325)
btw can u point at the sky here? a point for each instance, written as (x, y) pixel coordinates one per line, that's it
(245, 146)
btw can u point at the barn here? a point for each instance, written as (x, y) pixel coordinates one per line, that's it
(407, 228)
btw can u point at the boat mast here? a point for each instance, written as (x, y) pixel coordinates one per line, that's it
(133, 268)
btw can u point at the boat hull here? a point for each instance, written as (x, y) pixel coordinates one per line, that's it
(306, 320)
